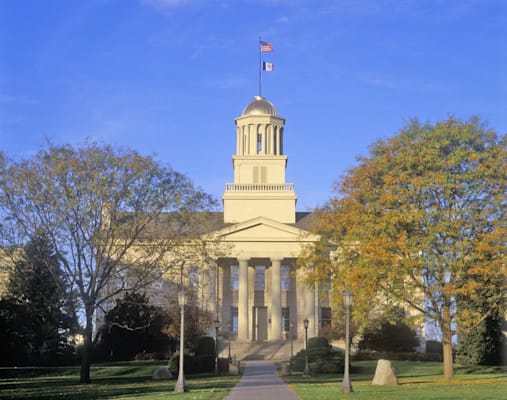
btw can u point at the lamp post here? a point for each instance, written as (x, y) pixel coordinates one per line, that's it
(217, 325)
(306, 371)
(291, 339)
(348, 297)
(180, 383)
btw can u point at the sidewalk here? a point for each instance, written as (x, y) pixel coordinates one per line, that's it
(260, 381)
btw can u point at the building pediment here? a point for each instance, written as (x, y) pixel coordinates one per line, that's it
(262, 229)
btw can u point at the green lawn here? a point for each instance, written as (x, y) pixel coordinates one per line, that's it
(417, 380)
(130, 380)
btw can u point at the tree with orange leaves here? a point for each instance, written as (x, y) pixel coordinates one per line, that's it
(421, 222)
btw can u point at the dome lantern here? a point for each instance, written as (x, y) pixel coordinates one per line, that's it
(259, 106)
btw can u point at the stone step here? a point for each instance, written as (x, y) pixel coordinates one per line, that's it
(276, 350)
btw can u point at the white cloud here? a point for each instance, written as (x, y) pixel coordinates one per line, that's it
(282, 20)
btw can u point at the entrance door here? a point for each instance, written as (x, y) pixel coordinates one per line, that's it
(260, 323)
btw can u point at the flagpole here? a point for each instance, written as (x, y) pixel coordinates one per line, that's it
(260, 68)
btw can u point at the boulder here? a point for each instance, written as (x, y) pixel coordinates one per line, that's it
(385, 374)
(161, 374)
(285, 370)
(234, 368)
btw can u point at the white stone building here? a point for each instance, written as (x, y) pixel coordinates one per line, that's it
(255, 290)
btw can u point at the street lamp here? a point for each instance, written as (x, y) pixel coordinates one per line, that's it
(291, 339)
(217, 325)
(180, 383)
(306, 372)
(348, 297)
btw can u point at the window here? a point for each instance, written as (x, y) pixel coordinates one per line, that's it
(193, 277)
(234, 319)
(285, 277)
(260, 272)
(285, 319)
(325, 317)
(234, 277)
(259, 143)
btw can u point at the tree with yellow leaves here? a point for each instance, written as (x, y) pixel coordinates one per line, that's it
(421, 222)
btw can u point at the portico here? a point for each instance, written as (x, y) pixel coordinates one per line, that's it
(261, 298)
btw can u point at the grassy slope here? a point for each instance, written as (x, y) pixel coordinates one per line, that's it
(417, 380)
(110, 381)
(132, 380)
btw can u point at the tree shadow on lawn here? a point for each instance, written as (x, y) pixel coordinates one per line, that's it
(54, 387)
(84, 392)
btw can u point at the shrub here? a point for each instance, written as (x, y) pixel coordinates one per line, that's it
(410, 356)
(150, 356)
(397, 337)
(223, 365)
(322, 359)
(194, 364)
(204, 346)
(318, 342)
(327, 366)
(204, 363)
(174, 362)
(482, 345)
(433, 346)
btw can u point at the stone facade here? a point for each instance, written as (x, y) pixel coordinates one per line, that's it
(260, 292)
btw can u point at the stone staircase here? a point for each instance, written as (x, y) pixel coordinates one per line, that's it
(275, 350)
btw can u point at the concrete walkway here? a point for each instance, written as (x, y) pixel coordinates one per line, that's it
(260, 381)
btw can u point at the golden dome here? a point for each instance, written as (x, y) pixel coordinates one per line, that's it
(259, 106)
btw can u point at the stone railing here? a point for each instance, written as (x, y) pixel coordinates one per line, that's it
(259, 187)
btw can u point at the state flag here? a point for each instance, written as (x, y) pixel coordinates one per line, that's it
(266, 66)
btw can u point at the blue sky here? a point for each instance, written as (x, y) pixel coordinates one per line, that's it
(169, 76)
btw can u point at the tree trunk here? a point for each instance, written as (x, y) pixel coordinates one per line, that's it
(86, 356)
(447, 355)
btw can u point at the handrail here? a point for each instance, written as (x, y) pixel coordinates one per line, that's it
(256, 187)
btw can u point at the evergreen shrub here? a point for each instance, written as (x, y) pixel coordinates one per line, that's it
(318, 342)
(398, 337)
(204, 346)
(322, 358)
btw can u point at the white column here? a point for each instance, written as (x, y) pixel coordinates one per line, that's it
(276, 301)
(310, 311)
(239, 135)
(243, 300)
(265, 139)
(278, 144)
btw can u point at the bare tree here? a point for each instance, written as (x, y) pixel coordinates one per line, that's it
(112, 215)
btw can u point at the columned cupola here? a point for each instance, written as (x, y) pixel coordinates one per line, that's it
(259, 187)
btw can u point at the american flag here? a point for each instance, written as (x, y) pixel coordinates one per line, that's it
(266, 47)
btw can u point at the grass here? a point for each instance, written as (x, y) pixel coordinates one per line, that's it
(130, 380)
(417, 380)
